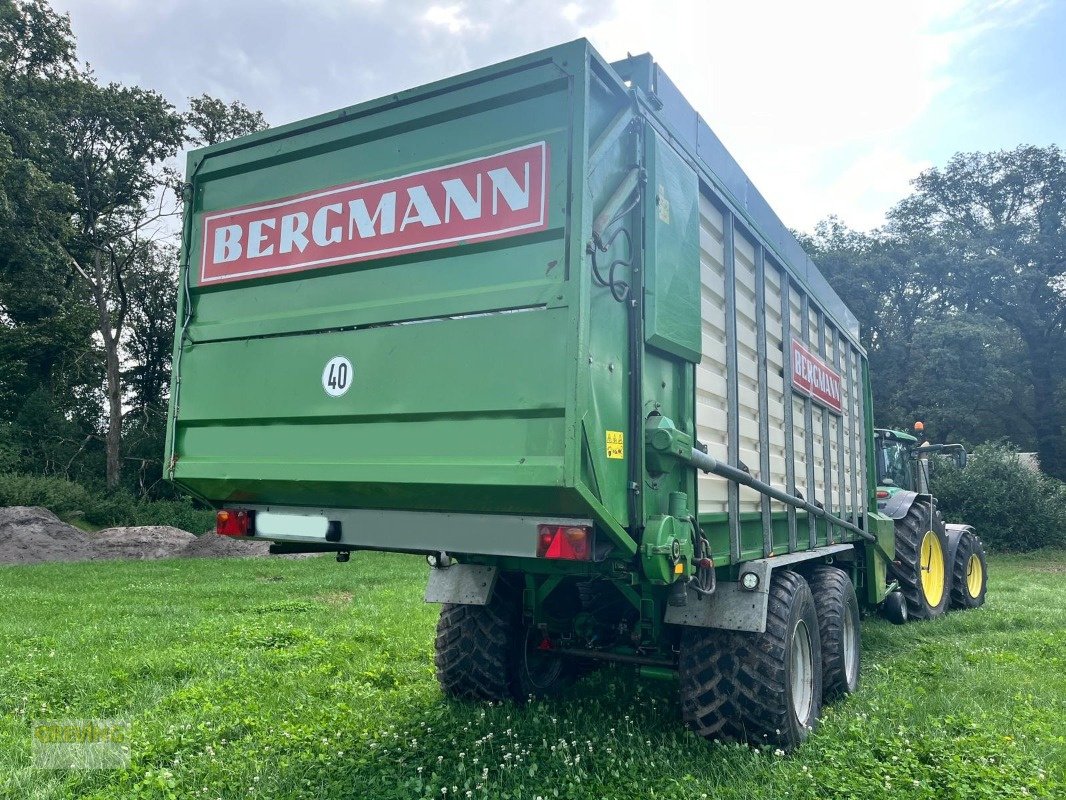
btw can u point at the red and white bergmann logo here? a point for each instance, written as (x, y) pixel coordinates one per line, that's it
(813, 377)
(486, 198)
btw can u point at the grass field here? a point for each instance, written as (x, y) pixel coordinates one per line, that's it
(311, 679)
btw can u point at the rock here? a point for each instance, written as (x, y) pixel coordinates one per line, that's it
(32, 535)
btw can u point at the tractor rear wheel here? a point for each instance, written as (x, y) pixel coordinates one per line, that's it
(920, 565)
(969, 573)
(764, 688)
(839, 626)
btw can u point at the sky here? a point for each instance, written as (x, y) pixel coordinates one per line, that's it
(832, 108)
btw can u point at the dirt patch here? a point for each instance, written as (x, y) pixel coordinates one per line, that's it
(147, 541)
(336, 598)
(211, 545)
(32, 535)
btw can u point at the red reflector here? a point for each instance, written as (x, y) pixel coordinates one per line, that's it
(564, 542)
(234, 522)
(881, 494)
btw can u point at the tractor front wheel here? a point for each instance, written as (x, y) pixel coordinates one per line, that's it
(969, 573)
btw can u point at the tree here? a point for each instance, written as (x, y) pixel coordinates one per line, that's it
(957, 371)
(152, 292)
(210, 120)
(110, 146)
(46, 347)
(86, 290)
(34, 40)
(1001, 220)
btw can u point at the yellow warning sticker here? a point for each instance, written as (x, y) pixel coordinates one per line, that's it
(663, 204)
(615, 446)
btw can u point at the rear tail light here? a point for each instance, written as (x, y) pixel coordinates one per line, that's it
(235, 522)
(882, 494)
(564, 542)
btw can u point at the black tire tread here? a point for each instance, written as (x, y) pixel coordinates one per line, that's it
(833, 592)
(733, 684)
(473, 650)
(909, 532)
(969, 545)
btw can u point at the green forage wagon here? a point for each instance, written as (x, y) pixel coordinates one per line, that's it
(535, 323)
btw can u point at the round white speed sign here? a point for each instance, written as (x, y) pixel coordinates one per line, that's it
(337, 376)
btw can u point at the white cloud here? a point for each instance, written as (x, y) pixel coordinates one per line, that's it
(829, 106)
(817, 101)
(571, 12)
(451, 18)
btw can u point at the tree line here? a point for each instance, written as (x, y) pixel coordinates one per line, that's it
(962, 299)
(89, 192)
(961, 295)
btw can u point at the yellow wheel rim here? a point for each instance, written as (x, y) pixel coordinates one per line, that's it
(975, 574)
(932, 566)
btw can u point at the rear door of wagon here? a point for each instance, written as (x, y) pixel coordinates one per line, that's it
(376, 306)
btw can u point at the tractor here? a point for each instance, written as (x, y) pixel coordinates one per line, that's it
(937, 566)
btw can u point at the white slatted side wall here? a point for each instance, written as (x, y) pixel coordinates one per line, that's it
(711, 415)
(816, 416)
(711, 392)
(835, 500)
(799, 446)
(858, 430)
(775, 381)
(848, 422)
(747, 366)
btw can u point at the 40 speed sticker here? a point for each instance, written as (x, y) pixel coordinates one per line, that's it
(337, 376)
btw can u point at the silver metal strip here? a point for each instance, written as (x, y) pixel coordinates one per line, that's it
(429, 531)
(864, 497)
(854, 387)
(827, 450)
(842, 478)
(786, 374)
(732, 388)
(764, 397)
(808, 424)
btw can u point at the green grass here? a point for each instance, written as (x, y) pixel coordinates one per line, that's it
(310, 679)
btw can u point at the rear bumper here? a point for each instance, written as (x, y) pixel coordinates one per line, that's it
(420, 531)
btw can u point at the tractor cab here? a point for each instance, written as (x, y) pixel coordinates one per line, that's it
(903, 462)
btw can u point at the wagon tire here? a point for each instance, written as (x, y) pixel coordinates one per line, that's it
(535, 670)
(839, 625)
(474, 648)
(920, 564)
(969, 580)
(763, 688)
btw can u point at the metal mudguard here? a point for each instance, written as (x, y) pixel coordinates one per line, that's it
(462, 584)
(900, 503)
(732, 607)
(954, 534)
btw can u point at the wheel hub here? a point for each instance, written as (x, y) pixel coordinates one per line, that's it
(802, 673)
(932, 568)
(975, 573)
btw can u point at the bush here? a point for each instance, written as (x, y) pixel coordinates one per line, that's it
(66, 499)
(61, 497)
(1012, 506)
